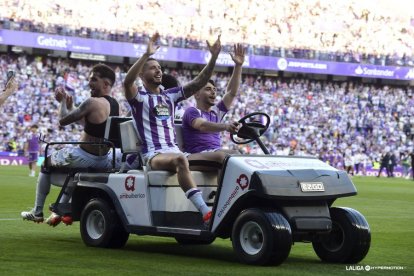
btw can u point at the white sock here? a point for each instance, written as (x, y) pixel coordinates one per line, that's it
(196, 198)
(42, 190)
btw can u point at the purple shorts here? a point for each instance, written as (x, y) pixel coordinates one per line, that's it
(33, 156)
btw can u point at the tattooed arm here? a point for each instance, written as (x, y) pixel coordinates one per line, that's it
(66, 104)
(77, 114)
(11, 87)
(202, 78)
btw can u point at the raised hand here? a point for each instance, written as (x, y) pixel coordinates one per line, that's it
(238, 55)
(151, 47)
(69, 102)
(216, 47)
(60, 94)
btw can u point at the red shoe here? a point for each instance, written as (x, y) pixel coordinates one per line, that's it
(68, 220)
(207, 218)
(53, 220)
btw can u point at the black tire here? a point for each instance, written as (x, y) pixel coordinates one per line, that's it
(101, 227)
(349, 240)
(192, 241)
(261, 238)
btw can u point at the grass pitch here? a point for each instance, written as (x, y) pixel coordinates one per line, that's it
(27, 248)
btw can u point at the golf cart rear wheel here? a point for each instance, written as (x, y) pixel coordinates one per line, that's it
(261, 238)
(101, 227)
(349, 239)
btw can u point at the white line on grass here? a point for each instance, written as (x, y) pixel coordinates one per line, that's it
(1, 219)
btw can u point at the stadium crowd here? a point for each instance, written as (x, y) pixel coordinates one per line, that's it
(331, 120)
(376, 32)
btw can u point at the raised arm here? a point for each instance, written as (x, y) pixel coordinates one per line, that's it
(205, 74)
(234, 83)
(132, 74)
(11, 87)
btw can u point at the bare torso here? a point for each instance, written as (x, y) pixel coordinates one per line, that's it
(102, 110)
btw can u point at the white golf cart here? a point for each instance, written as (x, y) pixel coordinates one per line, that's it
(263, 203)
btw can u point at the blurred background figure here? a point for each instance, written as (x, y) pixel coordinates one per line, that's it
(11, 87)
(385, 159)
(31, 149)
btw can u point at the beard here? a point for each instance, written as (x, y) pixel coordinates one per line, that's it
(154, 81)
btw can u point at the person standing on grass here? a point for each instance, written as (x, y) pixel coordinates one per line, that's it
(385, 159)
(412, 163)
(31, 149)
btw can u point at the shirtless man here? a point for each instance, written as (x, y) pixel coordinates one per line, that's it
(92, 114)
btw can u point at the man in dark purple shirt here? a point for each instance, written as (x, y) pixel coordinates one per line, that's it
(197, 140)
(202, 124)
(31, 149)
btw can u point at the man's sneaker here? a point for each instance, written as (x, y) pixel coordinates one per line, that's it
(68, 220)
(31, 215)
(53, 220)
(207, 219)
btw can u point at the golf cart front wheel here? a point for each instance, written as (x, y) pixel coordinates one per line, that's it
(261, 238)
(101, 227)
(349, 239)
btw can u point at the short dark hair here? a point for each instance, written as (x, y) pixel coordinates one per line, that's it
(212, 82)
(104, 71)
(148, 60)
(169, 81)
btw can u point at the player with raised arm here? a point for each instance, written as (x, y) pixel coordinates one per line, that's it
(153, 113)
(203, 123)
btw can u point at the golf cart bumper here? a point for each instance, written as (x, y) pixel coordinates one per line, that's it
(306, 184)
(304, 196)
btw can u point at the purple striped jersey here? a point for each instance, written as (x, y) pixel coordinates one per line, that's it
(154, 117)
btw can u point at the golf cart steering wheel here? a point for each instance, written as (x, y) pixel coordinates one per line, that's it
(251, 130)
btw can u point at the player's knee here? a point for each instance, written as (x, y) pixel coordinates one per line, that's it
(220, 156)
(181, 162)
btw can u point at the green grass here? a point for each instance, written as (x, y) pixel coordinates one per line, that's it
(36, 249)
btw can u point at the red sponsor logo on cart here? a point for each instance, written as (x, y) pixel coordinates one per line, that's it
(243, 181)
(130, 183)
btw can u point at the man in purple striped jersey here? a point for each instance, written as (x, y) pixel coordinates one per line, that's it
(153, 113)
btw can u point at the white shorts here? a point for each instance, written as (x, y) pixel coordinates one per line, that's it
(151, 154)
(78, 158)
